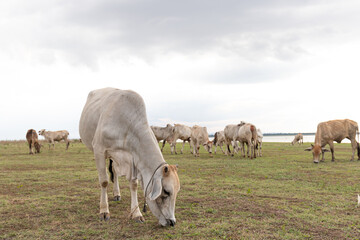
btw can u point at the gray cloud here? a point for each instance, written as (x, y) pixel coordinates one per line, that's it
(85, 31)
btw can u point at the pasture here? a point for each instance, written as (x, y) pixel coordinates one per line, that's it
(282, 195)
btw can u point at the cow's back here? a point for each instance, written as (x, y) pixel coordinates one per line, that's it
(335, 130)
(230, 131)
(247, 131)
(31, 135)
(110, 113)
(199, 134)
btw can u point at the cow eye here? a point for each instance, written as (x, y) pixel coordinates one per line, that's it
(166, 193)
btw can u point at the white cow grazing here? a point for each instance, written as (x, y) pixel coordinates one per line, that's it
(162, 133)
(231, 133)
(259, 142)
(180, 132)
(114, 125)
(200, 136)
(57, 136)
(219, 140)
(248, 134)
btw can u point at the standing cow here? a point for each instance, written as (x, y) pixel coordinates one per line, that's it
(231, 133)
(200, 136)
(163, 133)
(219, 140)
(248, 134)
(114, 125)
(298, 139)
(181, 132)
(52, 137)
(334, 130)
(32, 139)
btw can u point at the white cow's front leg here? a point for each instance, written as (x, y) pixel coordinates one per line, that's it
(135, 209)
(103, 180)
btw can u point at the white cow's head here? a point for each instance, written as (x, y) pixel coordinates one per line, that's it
(208, 146)
(163, 194)
(41, 132)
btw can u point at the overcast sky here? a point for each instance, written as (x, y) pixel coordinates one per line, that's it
(283, 65)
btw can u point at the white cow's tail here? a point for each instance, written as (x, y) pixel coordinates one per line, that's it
(111, 171)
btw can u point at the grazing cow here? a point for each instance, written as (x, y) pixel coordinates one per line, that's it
(114, 125)
(231, 133)
(180, 132)
(200, 136)
(32, 139)
(57, 136)
(259, 142)
(298, 139)
(162, 133)
(219, 140)
(248, 134)
(334, 130)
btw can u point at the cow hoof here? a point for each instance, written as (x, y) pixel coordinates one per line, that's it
(117, 198)
(139, 219)
(105, 216)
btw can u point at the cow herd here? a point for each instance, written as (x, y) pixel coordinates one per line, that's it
(242, 133)
(114, 126)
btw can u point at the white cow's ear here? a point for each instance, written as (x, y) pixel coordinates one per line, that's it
(156, 189)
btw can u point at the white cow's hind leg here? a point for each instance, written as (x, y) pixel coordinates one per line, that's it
(116, 188)
(103, 180)
(222, 148)
(182, 149)
(135, 209)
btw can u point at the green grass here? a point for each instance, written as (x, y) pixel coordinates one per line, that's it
(282, 195)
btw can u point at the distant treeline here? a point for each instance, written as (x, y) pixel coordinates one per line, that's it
(285, 134)
(276, 134)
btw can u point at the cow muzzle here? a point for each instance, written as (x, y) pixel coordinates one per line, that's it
(171, 222)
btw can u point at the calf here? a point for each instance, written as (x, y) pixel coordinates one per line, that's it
(32, 139)
(334, 130)
(57, 136)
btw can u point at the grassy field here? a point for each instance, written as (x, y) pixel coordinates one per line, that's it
(282, 195)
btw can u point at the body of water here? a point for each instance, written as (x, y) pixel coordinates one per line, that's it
(289, 138)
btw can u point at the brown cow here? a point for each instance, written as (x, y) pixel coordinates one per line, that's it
(334, 130)
(32, 139)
